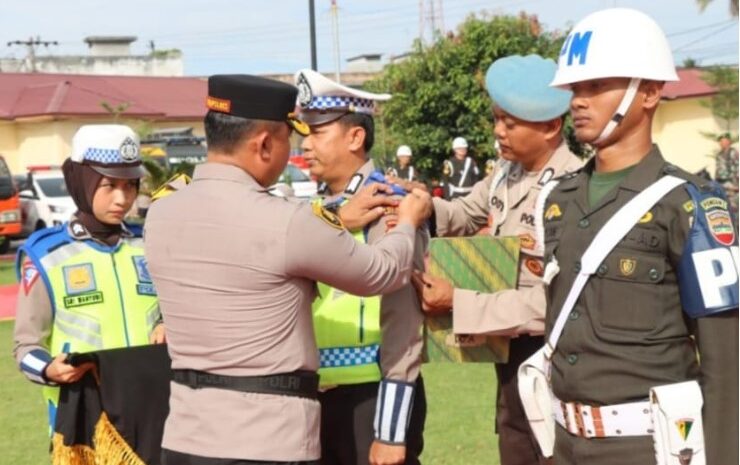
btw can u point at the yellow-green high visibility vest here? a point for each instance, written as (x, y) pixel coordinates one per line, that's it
(102, 297)
(347, 331)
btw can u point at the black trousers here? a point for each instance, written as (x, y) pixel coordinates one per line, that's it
(516, 443)
(347, 415)
(170, 457)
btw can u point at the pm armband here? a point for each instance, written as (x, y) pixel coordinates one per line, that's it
(393, 411)
(708, 270)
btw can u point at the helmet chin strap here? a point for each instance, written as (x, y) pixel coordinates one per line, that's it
(624, 105)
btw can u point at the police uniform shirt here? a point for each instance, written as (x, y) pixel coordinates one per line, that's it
(509, 210)
(34, 315)
(627, 332)
(401, 317)
(234, 269)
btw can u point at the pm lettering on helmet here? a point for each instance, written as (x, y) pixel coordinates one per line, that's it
(576, 46)
(717, 271)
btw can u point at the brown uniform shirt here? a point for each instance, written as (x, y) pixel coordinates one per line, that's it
(509, 209)
(234, 269)
(627, 331)
(401, 318)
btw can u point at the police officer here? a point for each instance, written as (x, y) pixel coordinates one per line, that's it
(528, 117)
(235, 268)
(459, 172)
(84, 284)
(404, 170)
(661, 308)
(369, 347)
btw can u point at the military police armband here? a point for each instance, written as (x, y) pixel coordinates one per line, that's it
(708, 270)
(393, 411)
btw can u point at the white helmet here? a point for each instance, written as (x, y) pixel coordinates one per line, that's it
(617, 42)
(403, 151)
(459, 143)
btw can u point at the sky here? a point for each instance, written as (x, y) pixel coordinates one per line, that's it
(262, 37)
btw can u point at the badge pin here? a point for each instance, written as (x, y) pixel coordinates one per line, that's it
(627, 266)
(684, 427)
(553, 212)
(129, 150)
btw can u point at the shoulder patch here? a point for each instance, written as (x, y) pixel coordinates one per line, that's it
(553, 212)
(326, 216)
(29, 275)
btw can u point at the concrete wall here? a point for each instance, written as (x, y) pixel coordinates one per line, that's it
(677, 129)
(169, 64)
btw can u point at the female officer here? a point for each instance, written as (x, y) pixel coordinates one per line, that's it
(85, 284)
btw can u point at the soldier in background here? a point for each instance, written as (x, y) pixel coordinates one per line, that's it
(459, 172)
(403, 170)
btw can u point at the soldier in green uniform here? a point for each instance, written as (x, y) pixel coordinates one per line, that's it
(661, 308)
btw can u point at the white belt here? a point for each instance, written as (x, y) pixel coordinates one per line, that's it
(618, 420)
(456, 189)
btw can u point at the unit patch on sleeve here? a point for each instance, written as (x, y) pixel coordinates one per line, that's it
(326, 216)
(719, 220)
(29, 276)
(527, 241)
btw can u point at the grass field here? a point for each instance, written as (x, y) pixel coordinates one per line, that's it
(7, 273)
(459, 427)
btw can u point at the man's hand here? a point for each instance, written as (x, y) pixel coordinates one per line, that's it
(366, 206)
(387, 454)
(407, 185)
(62, 372)
(415, 208)
(436, 294)
(158, 335)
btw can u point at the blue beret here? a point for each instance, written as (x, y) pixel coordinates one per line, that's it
(521, 87)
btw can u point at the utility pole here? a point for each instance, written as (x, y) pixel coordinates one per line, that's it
(312, 27)
(31, 45)
(335, 29)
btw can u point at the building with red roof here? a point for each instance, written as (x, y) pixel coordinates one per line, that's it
(39, 113)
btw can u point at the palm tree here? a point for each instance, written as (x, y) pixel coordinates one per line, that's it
(733, 6)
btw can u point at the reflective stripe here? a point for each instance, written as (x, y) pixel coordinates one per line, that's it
(152, 317)
(95, 341)
(62, 254)
(79, 320)
(348, 356)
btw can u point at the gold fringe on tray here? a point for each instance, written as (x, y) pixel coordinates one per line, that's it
(110, 448)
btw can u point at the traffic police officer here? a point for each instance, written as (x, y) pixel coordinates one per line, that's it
(662, 306)
(370, 347)
(84, 284)
(528, 118)
(235, 268)
(404, 170)
(459, 172)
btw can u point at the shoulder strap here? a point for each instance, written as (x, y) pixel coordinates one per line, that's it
(606, 239)
(464, 174)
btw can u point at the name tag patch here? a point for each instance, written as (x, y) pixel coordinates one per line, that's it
(79, 279)
(145, 289)
(84, 299)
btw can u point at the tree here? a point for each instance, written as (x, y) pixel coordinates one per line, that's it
(724, 104)
(439, 92)
(733, 6)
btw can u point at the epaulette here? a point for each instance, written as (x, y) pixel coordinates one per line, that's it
(704, 185)
(136, 229)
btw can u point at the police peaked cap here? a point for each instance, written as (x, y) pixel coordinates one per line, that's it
(520, 85)
(253, 97)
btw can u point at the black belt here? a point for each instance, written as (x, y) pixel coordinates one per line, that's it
(298, 384)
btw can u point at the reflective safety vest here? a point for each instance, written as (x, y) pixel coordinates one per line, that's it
(101, 297)
(347, 331)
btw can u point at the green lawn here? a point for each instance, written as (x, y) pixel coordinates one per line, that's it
(7, 272)
(459, 427)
